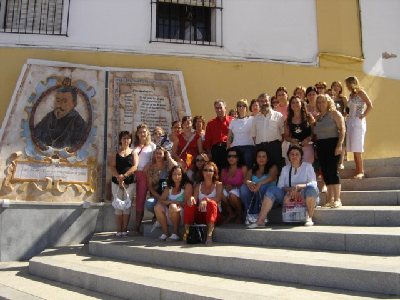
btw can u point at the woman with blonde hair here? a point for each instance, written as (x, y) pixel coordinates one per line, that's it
(144, 150)
(300, 92)
(330, 131)
(239, 134)
(359, 106)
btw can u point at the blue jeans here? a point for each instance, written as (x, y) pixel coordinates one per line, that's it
(311, 190)
(246, 195)
(275, 194)
(247, 154)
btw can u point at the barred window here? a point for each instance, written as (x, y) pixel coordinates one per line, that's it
(196, 22)
(34, 16)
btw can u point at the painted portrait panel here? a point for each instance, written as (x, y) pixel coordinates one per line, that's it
(61, 118)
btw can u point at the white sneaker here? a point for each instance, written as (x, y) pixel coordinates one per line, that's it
(163, 237)
(124, 234)
(155, 226)
(173, 238)
(309, 222)
(118, 234)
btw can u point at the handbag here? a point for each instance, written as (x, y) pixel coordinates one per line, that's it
(197, 234)
(254, 209)
(121, 203)
(295, 210)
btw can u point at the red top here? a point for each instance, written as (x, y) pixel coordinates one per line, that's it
(191, 148)
(217, 131)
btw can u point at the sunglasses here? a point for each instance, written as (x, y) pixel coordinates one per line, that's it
(240, 105)
(208, 170)
(232, 155)
(199, 159)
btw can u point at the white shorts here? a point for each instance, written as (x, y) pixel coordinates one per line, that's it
(355, 136)
(131, 189)
(234, 191)
(166, 210)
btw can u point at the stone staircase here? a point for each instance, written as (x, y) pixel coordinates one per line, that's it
(351, 252)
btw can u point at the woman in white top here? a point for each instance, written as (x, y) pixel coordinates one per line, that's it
(239, 135)
(203, 207)
(178, 190)
(360, 106)
(297, 179)
(144, 150)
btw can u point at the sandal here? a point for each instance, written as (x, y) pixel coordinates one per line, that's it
(359, 176)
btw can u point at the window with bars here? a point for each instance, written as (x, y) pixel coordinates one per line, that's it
(196, 22)
(34, 16)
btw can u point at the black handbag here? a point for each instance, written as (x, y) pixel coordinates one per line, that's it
(197, 234)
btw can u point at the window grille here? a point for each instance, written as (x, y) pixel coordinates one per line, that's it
(196, 22)
(34, 16)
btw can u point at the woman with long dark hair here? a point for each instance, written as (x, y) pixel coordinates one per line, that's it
(178, 190)
(263, 175)
(298, 127)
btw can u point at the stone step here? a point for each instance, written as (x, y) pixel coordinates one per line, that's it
(369, 198)
(378, 240)
(358, 216)
(17, 283)
(111, 277)
(371, 184)
(391, 161)
(375, 171)
(355, 272)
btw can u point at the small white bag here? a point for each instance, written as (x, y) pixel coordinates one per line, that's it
(122, 203)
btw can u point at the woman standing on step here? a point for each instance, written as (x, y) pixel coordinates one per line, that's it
(330, 131)
(123, 165)
(203, 207)
(187, 145)
(359, 107)
(298, 127)
(144, 150)
(178, 191)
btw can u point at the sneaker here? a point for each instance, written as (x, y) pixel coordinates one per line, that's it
(173, 238)
(155, 226)
(255, 225)
(309, 222)
(163, 237)
(124, 234)
(337, 204)
(341, 167)
(118, 234)
(328, 204)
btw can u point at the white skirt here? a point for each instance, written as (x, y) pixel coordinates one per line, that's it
(355, 136)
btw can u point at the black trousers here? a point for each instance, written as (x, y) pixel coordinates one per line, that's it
(328, 160)
(219, 155)
(274, 152)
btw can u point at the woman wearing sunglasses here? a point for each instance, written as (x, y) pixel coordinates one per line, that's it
(203, 207)
(232, 179)
(194, 173)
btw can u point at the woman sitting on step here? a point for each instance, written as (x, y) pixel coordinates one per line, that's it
(171, 203)
(203, 207)
(297, 179)
(263, 175)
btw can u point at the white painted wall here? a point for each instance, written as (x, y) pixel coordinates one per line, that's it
(381, 33)
(252, 29)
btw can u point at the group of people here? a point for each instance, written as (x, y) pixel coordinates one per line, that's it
(271, 151)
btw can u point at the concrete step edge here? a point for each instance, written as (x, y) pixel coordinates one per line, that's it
(362, 276)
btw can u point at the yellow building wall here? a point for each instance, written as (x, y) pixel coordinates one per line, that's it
(207, 80)
(338, 27)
